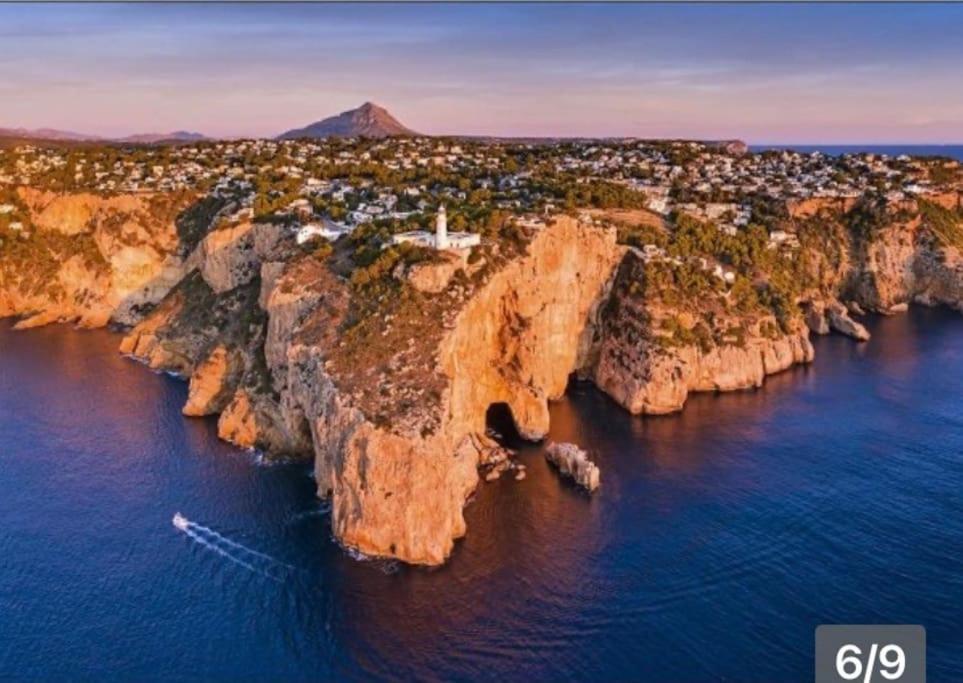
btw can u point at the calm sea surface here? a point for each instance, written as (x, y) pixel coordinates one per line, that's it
(952, 151)
(720, 537)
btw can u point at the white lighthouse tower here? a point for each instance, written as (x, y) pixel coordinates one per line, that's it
(441, 229)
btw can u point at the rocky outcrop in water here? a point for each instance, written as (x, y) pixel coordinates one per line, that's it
(398, 482)
(574, 463)
(838, 319)
(386, 384)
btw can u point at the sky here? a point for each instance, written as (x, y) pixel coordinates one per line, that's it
(767, 74)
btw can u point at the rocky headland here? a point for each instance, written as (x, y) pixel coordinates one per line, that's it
(382, 369)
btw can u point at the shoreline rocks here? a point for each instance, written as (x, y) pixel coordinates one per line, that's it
(822, 318)
(814, 314)
(392, 413)
(574, 463)
(839, 320)
(495, 460)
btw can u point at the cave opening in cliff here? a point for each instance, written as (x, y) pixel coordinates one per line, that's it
(500, 425)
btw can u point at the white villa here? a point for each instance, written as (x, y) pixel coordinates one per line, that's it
(441, 239)
(327, 229)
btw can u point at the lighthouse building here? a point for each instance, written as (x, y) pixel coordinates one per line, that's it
(441, 238)
(441, 229)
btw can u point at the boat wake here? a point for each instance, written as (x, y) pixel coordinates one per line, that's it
(236, 553)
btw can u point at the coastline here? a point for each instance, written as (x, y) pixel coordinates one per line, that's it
(742, 494)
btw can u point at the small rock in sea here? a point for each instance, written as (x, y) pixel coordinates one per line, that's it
(840, 321)
(573, 462)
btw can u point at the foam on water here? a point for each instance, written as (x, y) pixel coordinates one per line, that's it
(829, 495)
(237, 553)
(180, 521)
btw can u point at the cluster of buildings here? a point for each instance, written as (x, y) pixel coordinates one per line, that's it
(9, 217)
(326, 188)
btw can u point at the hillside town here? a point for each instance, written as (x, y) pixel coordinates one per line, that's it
(327, 188)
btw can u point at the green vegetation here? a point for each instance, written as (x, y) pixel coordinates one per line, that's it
(196, 221)
(766, 281)
(597, 194)
(676, 334)
(640, 235)
(946, 225)
(868, 217)
(36, 258)
(943, 170)
(379, 266)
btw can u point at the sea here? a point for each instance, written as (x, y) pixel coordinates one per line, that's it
(949, 151)
(136, 546)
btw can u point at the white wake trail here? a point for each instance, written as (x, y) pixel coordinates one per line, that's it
(234, 544)
(244, 557)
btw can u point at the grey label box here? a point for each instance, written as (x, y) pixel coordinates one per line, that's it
(870, 654)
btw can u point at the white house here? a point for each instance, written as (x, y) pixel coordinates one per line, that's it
(659, 205)
(7, 208)
(778, 236)
(421, 238)
(301, 206)
(327, 229)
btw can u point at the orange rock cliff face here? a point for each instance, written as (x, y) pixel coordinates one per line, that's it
(391, 405)
(398, 492)
(93, 259)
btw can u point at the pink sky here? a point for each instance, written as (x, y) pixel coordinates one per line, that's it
(768, 73)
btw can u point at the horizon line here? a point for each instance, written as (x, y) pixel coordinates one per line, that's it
(122, 137)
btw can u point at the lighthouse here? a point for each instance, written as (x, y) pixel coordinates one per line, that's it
(441, 229)
(441, 239)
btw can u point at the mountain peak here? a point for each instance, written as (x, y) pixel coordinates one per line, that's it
(368, 120)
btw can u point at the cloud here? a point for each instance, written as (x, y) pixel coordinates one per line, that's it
(754, 71)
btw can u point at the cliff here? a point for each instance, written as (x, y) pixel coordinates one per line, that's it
(89, 259)
(221, 327)
(383, 374)
(880, 257)
(390, 394)
(400, 490)
(653, 353)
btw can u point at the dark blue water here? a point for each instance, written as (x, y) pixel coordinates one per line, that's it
(951, 151)
(719, 539)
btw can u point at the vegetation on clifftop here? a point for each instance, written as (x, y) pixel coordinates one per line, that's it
(946, 225)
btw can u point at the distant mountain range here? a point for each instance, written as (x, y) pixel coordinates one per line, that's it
(176, 136)
(368, 120)
(55, 135)
(44, 134)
